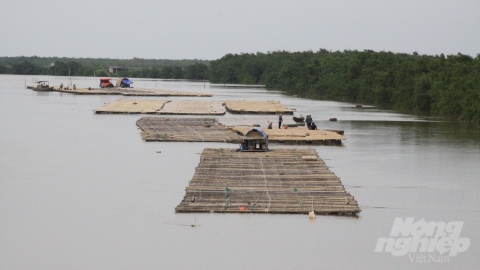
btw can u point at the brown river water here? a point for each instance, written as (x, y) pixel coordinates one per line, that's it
(83, 191)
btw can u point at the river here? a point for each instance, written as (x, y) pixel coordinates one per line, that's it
(83, 191)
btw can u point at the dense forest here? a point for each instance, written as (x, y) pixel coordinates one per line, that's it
(137, 67)
(97, 63)
(449, 85)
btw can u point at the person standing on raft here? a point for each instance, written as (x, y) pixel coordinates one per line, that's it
(280, 120)
(309, 121)
(243, 146)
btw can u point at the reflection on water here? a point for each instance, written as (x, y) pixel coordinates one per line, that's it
(425, 132)
(79, 190)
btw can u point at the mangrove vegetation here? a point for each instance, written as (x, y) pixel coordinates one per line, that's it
(447, 85)
(136, 67)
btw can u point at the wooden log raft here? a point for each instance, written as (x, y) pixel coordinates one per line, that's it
(257, 107)
(212, 130)
(129, 92)
(279, 181)
(185, 130)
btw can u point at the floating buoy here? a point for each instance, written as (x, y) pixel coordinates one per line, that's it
(242, 208)
(332, 119)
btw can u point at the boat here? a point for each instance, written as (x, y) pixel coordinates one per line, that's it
(299, 119)
(41, 86)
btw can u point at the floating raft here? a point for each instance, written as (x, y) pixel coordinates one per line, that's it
(213, 130)
(300, 135)
(284, 181)
(257, 107)
(132, 106)
(163, 107)
(185, 130)
(193, 107)
(190, 107)
(261, 120)
(130, 92)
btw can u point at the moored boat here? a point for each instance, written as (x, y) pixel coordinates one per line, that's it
(41, 86)
(299, 119)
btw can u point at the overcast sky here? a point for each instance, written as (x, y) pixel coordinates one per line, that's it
(209, 29)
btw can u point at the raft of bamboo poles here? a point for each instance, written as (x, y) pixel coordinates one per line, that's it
(213, 130)
(191, 107)
(257, 107)
(129, 92)
(132, 106)
(297, 135)
(282, 181)
(185, 130)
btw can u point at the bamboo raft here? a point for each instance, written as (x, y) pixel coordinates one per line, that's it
(130, 92)
(187, 107)
(132, 106)
(257, 107)
(193, 107)
(185, 130)
(300, 135)
(285, 181)
(213, 130)
(163, 107)
(261, 120)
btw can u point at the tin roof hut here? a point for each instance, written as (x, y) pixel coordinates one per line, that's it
(123, 83)
(254, 140)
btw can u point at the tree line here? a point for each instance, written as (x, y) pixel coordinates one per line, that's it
(449, 85)
(97, 63)
(184, 69)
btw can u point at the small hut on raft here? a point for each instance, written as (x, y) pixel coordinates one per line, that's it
(254, 140)
(106, 82)
(123, 83)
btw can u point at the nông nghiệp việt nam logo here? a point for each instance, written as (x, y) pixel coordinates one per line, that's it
(432, 241)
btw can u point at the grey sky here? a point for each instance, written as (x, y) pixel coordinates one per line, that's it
(210, 29)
